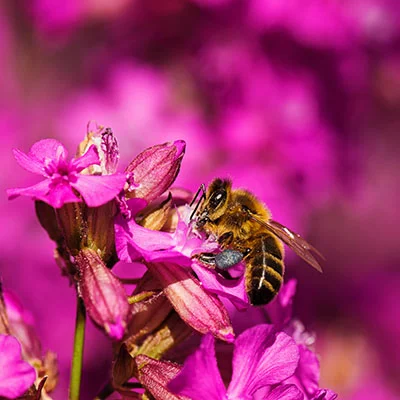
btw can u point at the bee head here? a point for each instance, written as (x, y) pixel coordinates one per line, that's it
(216, 201)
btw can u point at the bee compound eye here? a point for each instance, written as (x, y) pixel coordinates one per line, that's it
(217, 198)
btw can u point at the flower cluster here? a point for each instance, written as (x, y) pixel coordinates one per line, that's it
(99, 217)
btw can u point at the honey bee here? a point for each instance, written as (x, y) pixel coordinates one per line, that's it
(245, 231)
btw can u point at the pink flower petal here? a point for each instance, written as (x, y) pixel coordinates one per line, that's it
(48, 149)
(200, 378)
(89, 158)
(38, 191)
(16, 375)
(261, 357)
(56, 196)
(60, 194)
(307, 372)
(280, 309)
(201, 310)
(29, 163)
(233, 289)
(99, 189)
(134, 242)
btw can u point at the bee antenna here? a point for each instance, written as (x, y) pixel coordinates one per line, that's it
(202, 190)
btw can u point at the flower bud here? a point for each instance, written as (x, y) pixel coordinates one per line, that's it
(202, 311)
(155, 375)
(155, 169)
(103, 294)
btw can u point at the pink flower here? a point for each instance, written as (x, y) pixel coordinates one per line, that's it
(16, 375)
(168, 257)
(261, 358)
(48, 158)
(134, 242)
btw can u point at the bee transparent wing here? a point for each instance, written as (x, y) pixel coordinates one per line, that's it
(301, 247)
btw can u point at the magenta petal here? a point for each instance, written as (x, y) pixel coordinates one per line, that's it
(132, 241)
(38, 191)
(89, 158)
(280, 309)
(56, 196)
(149, 240)
(261, 357)
(233, 289)
(29, 163)
(48, 149)
(307, 372)
(199, 378)
(99, 189)
(16, 375)
(61, 194)
(285, 392)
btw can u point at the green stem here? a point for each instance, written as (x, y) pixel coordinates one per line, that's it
(77, 357)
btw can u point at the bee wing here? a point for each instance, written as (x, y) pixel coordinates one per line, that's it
(300, 246)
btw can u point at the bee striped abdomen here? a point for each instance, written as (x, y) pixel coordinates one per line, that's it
(264, 272)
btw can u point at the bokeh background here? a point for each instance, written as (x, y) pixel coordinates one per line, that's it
(298, 101)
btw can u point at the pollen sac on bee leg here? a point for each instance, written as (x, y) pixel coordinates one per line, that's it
(222, 261)
(228, 258)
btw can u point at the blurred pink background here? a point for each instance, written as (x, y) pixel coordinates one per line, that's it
(297, 101)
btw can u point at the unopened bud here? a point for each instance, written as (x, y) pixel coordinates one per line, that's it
(203, 311)
(103, 294)
(155, 169)
(155, 375)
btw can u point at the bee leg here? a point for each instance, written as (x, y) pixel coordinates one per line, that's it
(225, 239)
(223, 261)
(220, 261)
(202, 190)
(206, 259)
